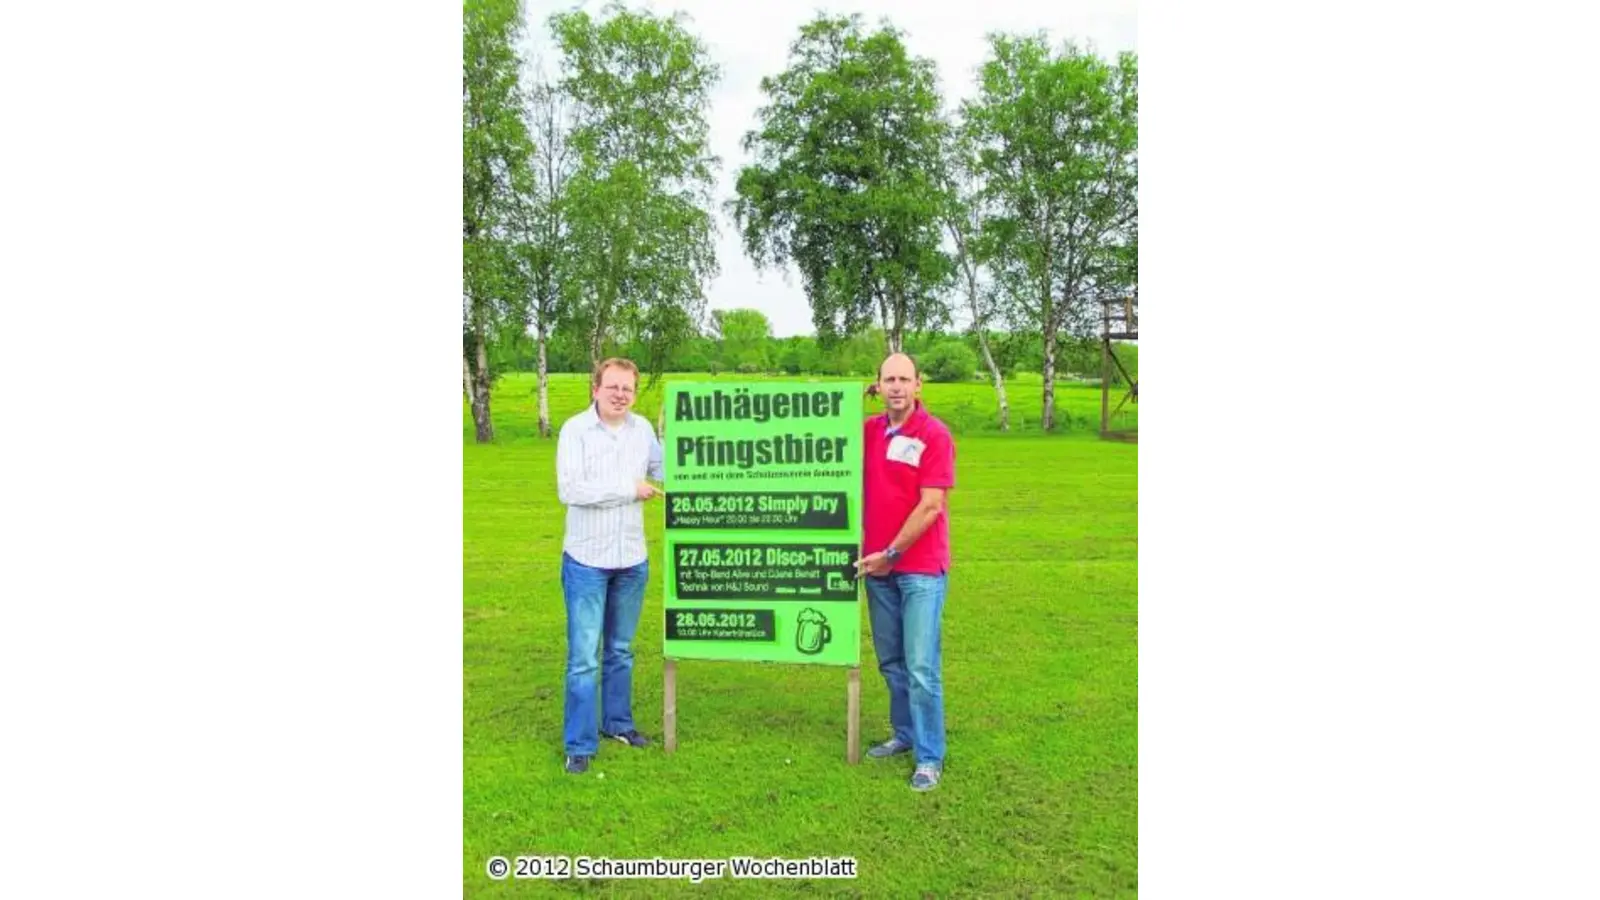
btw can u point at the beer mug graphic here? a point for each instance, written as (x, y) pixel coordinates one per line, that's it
(811, 632)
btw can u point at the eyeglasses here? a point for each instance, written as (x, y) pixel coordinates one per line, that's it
(618, 389)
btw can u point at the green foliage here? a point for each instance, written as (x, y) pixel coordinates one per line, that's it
(798, 355)
(745, 333)
(567, 350)
(541, 229)
(495, 151)
(494, 138)
(1080, 357)
(1053, 140)
(1013, 351)
(864, 351)
(1084, 358)
(844, 185)
(586, 203)
(693, 355)
(641, 234)
(949, 361)
(1017, 354)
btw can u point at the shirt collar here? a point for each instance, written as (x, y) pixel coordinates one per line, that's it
(592, 415)
(913, 422)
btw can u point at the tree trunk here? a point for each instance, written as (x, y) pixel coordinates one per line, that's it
(999, 380)
(480, 393)
(1105, 379)
(544, 388)
(891, 338)
(979, 326)
(1047, 416)
(897, 308)
(597, 337)
(1047, 419)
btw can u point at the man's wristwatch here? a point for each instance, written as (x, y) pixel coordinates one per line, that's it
(891, 554)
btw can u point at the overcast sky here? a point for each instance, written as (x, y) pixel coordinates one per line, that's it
(750, 39)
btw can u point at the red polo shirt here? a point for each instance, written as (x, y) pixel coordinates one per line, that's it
(898, 465)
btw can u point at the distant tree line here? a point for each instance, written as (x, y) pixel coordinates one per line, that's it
(942, 356)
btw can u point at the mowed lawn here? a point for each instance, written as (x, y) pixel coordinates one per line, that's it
(1040, 680)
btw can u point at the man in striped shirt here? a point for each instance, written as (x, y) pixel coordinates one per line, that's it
(603, 458)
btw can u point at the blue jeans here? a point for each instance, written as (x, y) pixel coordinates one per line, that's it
(905, 611)
(603, 608)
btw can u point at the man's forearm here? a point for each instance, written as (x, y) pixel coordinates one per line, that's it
(615, 490)
(611, 488)
(923, 516)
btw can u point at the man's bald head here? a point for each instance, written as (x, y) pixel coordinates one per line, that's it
(897, 385)
(898, 364)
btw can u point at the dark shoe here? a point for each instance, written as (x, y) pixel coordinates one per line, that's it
(631, 738)
(577, 765)
(892, 747)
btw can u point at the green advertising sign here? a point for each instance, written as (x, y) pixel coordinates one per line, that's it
(763, 521)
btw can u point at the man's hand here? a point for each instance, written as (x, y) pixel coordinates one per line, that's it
(873, 564)
(645, 490)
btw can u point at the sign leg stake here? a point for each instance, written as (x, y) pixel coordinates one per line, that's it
(669, 704)
(853, 727)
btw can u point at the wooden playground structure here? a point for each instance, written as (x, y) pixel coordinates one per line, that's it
(1119, 321)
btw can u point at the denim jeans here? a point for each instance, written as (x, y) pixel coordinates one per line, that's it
(905, 610)
(603, 608)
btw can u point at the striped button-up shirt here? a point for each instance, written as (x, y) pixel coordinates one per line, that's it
(597, 473)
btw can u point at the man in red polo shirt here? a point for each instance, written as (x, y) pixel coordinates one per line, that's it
(909, 467)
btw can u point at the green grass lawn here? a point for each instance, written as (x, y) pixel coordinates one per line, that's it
(1040, 680)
